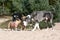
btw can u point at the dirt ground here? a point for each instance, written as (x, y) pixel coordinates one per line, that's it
(30, 35)
(45, 34)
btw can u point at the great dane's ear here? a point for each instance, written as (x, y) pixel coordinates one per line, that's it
(44, 14)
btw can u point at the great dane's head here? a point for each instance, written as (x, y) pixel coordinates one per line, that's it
(47, 16)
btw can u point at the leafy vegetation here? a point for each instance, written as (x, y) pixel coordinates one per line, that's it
(7, 7)
(43, 25)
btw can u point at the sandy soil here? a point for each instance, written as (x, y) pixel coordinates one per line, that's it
(3, 20)
(30, 35)
(45, 34)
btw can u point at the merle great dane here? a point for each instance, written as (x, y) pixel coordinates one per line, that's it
(39, 16)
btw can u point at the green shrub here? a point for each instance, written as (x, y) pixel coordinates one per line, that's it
(43, 25)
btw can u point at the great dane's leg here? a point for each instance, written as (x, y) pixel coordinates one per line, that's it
(36, 26)
(51, 23)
